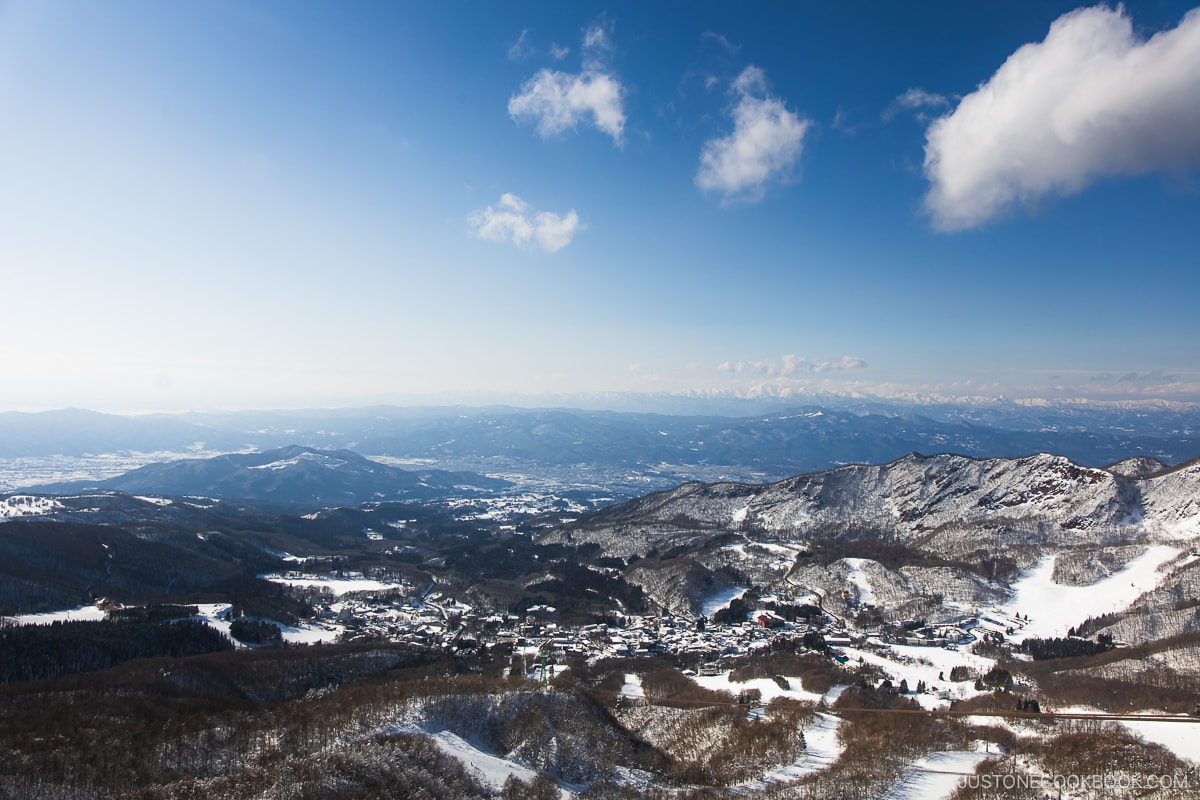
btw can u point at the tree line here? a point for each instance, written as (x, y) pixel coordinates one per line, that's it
(41, 652)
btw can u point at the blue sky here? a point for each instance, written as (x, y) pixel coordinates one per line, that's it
(287, 204)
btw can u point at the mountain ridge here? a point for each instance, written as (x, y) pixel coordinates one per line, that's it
(1041, 480)
(947, 526)
(290, 475)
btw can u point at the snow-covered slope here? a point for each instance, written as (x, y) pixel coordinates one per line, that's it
(25, 505)
(1170, 501)
(1056, 607)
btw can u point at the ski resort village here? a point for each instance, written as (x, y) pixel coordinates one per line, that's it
(912, 629)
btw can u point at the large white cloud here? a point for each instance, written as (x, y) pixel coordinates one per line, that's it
(514, 220)
(765, 144)
(558, 101)
(1091, 100)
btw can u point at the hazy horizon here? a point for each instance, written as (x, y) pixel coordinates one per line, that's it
(666, 403)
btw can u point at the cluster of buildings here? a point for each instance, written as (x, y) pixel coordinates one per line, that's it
(536, 636)
(539, 643)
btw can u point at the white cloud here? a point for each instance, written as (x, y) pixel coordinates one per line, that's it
(554, 232)
(558, 53)
(765, 144)
(512, 219)
(1091, 100)
(790, 365)
(558, 101)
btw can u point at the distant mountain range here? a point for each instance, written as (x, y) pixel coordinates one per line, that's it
(667, 448)
(292, 475)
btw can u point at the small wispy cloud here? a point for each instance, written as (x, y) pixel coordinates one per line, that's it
(764, 147)
(514, 220)
(721, 41)
(596, 42)
(843, 124)
(1157, 377)
(558, 52)
(915, 100)
(522, 48)
(1181, 384)
(558, 101)
(1091, 100)
(789, 365)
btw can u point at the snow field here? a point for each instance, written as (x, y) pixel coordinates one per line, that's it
(1181, 738)
(157, 501)
(215, 615)
(905, 664)
(767, 687)
(714, 603)
(338, 586)
(936, 776)
(80, 614)
(821, 750)
(1054, 608)
(859, 578)
(308, 634)
(488, 768)
(785, 555)
(821, 745)
(27, 505)
(632, 689)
